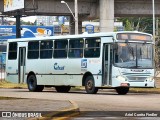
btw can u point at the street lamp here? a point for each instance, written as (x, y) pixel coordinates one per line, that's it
(76, 14)
(153, 7)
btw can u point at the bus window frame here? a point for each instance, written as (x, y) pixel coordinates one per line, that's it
(37, 50)
(89, 48)
(45, 50)
(76, 48)
(66, 48)
(13, 51)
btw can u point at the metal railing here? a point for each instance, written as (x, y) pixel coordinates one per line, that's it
(2, 69)
(2, 72)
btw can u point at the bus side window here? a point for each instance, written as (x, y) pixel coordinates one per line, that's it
(92, 47)
(60, 48)
(46, 49)
(12, 55)
(33, 50)
(76, 48)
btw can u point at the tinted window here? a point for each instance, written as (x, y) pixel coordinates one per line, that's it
(92, 47)
(46, 49)
(60, 48)
(33, 50)
(76, 48)
(12, 55)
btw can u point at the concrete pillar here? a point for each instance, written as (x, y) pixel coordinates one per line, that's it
(72, 26)
(106, 15)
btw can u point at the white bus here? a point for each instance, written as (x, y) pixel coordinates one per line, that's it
(117, 60)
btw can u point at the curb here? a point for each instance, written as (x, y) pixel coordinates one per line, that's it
(62, 114)
(67, 113)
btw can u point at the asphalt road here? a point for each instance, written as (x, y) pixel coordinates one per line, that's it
(99, 103)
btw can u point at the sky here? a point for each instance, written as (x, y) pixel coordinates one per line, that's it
(26, 19)
(31, 18)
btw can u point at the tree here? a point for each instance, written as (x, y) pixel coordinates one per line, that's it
(26, 23)
(143, 24)
(128, 26)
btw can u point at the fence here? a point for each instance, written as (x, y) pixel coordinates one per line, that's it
(2, 66)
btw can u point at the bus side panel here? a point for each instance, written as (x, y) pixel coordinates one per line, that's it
(38, 67)
(94, 66)
(76, 80)
(74, 70)
(67, 72)
(47, 76)
(11, 68)
(45, 79)
(98, 80)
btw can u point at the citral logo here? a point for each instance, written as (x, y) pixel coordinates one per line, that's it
(57, 67)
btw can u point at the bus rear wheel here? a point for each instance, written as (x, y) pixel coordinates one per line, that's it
(63, 89)
(122, 90)
(32, 84)
(90, 85)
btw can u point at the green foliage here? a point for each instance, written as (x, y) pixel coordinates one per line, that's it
(143, 24)
(26, 23)
(128, 26)
(115, 29)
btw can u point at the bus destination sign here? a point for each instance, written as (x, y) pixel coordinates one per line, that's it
(134, 36)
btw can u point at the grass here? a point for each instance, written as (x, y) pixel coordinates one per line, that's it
(5, 84)
(8, 98)
(145, 90)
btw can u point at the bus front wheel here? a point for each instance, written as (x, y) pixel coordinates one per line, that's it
(63, 89)
(122, 90)
(32, 84)
(90, 85)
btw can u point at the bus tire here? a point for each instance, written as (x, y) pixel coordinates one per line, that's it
(63, 89)
(32, 84)
(90, 85)
(122, 90)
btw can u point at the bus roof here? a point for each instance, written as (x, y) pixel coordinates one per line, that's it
(84, 35)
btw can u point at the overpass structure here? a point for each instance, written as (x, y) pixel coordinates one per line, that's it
(105, 10)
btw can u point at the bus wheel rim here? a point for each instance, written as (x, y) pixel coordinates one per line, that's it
(90, 84)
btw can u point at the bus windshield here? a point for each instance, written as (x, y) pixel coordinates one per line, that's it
(133, 55)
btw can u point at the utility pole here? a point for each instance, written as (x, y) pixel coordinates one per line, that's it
(18, 24)
(76, 16)
(153, 7)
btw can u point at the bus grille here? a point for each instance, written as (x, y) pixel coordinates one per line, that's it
(136, 79)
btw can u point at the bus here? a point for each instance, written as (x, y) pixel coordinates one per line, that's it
(113, 60)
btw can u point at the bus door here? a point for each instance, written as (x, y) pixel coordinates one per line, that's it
(107, 64)
(21, 64)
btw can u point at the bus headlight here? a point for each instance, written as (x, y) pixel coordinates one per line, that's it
(151, 79)
(121, 78)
